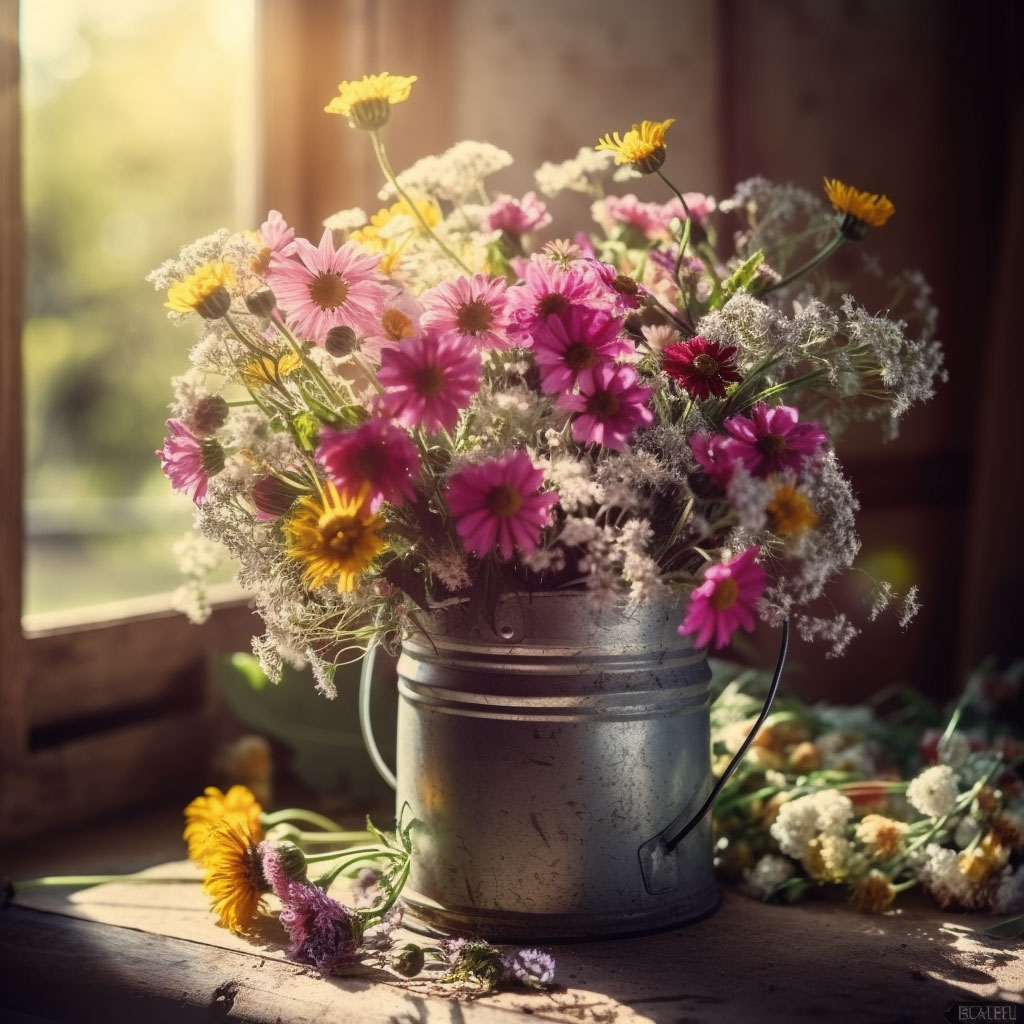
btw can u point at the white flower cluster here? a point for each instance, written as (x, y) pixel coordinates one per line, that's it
(583, 173)
(934, 791)
(800, 821)
(453, 176)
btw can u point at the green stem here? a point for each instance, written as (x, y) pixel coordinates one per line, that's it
(385, 166)
(809, 265)
(335, 837)
(684, 235)
(311, 367)
(295, 814)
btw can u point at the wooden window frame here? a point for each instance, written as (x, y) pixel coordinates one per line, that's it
(117, 706)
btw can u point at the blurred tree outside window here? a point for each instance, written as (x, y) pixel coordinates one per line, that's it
(138, 136)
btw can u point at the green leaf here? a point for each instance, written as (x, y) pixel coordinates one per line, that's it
(305, 426)
(741, 277)
(248, 667)
(1010, 928)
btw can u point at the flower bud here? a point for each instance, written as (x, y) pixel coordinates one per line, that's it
(273, 496)
(212, 455)
(408, 960)
(370, 114)
(261, 303)
(214, 305)
(341, 341)
(209, 414)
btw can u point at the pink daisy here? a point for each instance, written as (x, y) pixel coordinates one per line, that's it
(579, 339)
(190, 461)
(622, 292)
(429, 380)
(516, 216)
(277, 235)
(700, 366)
(770, 441)
(725, 600)
(327, 287)
(550, 288)
(498, 503)
(376, 456)
(474, 308)
(611, 406)
(398, 320)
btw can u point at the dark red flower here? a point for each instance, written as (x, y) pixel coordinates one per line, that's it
(700, 366)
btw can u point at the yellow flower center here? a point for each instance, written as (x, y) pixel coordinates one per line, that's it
(504, 501)
(340, 533)
(396, 325)
(790, 512)
(474, 317)
(328, 290)
(726, 594)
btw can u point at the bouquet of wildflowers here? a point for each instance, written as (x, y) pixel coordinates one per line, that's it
(876, 799)
(422, 406)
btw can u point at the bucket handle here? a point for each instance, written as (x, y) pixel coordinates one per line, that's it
(365, 725)
(657, 865)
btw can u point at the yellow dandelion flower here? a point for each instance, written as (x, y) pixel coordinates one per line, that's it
(204, 291)
(643, 146)
(873, 894)
(334, 537)
(790, 512)
(882, 837)
(984, 861)
(237, 806)
(828, 858)
(233, 882)
(263, 370)
(367, 103)
(861, 210)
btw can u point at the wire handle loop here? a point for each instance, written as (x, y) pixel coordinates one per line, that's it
(365, 725)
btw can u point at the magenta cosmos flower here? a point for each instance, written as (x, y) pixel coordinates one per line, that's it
(326, 287)
(429, 380)
(474, 308)
(610, 406)
(498, 503)
(516, 216)
(550, 288)
(579, 339)
(376, 457)
(701, 367)
(771, 440)
(725, 600)
(190, 461)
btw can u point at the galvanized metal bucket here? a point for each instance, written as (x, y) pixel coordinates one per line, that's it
(550, 756)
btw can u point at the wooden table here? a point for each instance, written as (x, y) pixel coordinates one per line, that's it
(152, 953)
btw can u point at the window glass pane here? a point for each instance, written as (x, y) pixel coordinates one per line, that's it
(138, 137)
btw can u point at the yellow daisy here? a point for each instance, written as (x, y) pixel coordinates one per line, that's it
(334, 537)
(367, 103)
(873, 894)
(260, 371)
(860, 210)
(234, 881)
(643, 146)
(237, 806)
(204, 291)
(790, 512)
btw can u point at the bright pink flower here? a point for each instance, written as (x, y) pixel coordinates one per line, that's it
(516, 216)
(611, 406)
(550, 288)
(327, 287)
(190, 461)
(725, 600)
(376, 456)
(277, 235)
(700, 366)
(474, 308)
(651, 220)
(579, 339)
(429, 380)
(498, 503)
(770, 440)
(621, 292)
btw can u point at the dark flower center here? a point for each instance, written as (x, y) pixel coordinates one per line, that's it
(396, 325)
(705, 365)
(474, 317)
(772, 444)
(603, 404)
(340, 534)
(726, 593)
(554, 302)
(580, 356)
(430, 381)
(504, 501)
(328, 290)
